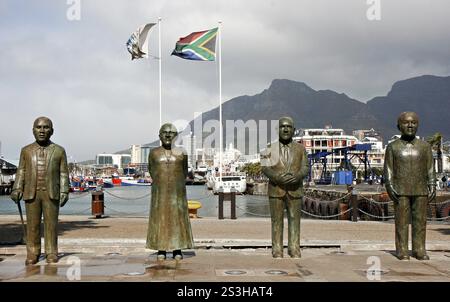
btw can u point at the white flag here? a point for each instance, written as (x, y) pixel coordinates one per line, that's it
(137, 44)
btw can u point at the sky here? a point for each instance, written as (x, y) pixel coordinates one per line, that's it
(79, 73)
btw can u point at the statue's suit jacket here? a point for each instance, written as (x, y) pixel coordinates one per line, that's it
(57, 177)
(408, 167)
(273, 165)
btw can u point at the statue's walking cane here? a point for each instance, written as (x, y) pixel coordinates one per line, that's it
(24, 240)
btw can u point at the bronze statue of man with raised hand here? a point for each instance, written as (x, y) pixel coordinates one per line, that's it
(285, 163)
(411, 183)
(42, 181)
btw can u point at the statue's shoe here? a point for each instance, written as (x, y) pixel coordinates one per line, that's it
(296, 255)
(402, 256)
(161, 255)
(421, 257)
(52, 258)
(31, 260)
(177, 255)
(277, 255)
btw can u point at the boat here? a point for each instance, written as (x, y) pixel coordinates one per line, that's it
(78, 185)
(131, 181)
(236, 182)
(210, 181)
(107, 182)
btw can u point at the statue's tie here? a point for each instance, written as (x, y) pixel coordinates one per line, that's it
(285, 154)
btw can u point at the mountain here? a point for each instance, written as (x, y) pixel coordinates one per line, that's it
(427, 95)
(308, 107)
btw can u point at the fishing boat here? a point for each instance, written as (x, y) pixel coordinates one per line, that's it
(78, 185)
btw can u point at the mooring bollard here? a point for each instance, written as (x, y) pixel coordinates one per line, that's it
(98, 204)
(232, 198)
(354, 205)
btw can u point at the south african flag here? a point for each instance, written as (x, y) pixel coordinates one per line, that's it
(200, 46)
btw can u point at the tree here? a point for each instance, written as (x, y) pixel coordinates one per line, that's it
(377, 171)
(253, 170)
(436, 144)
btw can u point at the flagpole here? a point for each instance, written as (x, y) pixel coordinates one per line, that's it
(220, 101)
(159, 55)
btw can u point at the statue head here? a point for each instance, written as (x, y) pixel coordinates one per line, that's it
(408, 123)
(42, 130)
(286, 129)
(167, 135)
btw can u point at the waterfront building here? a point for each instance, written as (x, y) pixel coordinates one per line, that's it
(325, 140)
(229, 156)
(249, 159)
(446, 156)
(204, 157)
(397, 136)
(446, 162)
(328, 139)
(188, 143)
(375, 156)
(8, 170)
(361, 134)
(118, 161)
(139, 156)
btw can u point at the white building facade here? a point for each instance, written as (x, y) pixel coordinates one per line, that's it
(118, 161)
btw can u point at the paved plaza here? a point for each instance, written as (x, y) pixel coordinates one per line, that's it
(113, 249)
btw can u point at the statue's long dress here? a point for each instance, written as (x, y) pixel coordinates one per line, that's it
(169, 227)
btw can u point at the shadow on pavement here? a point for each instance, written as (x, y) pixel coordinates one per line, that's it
(443, 231)
(11, 233)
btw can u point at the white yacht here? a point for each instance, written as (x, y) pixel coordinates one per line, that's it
(236, 182)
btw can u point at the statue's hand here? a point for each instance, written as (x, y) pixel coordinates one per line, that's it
(16, 196)
(431, 192)
(392, 193)
(63, 198)
(294, 179)
(284, 178)
(277, 179)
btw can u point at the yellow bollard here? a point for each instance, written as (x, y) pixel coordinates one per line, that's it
(193, 206)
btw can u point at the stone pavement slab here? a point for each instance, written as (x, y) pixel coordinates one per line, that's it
(232, 265)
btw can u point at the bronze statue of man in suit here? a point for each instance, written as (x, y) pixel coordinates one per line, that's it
(285, 163)
(42, 181)
(169, 227)
(410, 183)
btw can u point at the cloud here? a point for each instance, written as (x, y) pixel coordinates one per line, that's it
(80, 74)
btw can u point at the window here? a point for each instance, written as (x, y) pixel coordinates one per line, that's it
(125, 160)
(104, 160)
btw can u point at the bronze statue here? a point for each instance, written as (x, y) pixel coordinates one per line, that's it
(42, 181)
(410, 183)
(169, 227)
(285, 163)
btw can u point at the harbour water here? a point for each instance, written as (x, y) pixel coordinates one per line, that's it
(134, 201)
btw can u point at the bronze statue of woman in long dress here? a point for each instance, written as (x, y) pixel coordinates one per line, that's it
(169, 227)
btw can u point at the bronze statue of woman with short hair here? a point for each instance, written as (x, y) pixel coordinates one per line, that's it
(411, 183)
(169, 227)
